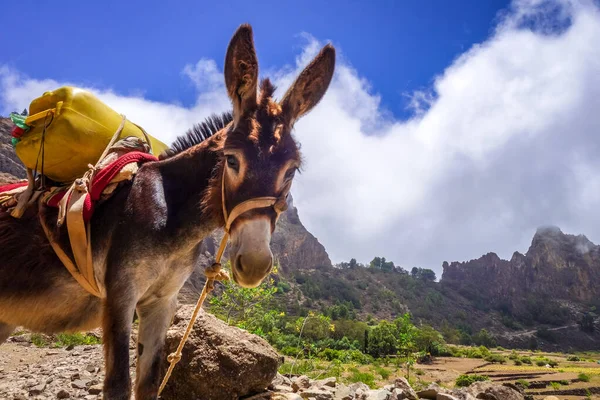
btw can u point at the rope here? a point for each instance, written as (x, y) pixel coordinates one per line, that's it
(214, 272)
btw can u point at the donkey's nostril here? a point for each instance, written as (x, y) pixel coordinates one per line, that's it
(238, 263)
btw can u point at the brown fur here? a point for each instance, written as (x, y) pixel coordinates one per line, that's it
(146, 237)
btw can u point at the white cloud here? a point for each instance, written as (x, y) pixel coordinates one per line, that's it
(506, 140)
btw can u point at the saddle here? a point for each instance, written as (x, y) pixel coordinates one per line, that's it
(76, 202)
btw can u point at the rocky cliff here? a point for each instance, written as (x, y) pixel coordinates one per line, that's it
(559, 266)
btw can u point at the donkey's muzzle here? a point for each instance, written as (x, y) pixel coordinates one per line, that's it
(250, 253)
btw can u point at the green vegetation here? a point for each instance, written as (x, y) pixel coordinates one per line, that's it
(555, 385)
(523, 383)
(364, 377)
(583, 377)
(496, 358)
(467, 380)
(75, 339)
(38, 340)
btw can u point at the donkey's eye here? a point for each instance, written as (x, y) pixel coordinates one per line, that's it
(290, 173)
(233, 163)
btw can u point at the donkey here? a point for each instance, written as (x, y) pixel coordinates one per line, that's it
(146, 237)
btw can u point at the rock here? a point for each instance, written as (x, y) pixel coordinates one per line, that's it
(343, 392)
(218, 361)
(445, 396)
(95, 389)
(301, 382)
(292, 396)
(489, 391)
(91, 368)
(359, 385)
(317, 394)
(63, 394)
(328, 382)
(408, 392)
(280, 380)
(381, 394)
(431, 392)
(37, 389)
(282, 388)
(79, 384)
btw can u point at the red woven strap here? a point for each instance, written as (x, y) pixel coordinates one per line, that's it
(12, 186)
(106, 174)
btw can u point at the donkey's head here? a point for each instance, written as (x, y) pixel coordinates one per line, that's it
(260, 154)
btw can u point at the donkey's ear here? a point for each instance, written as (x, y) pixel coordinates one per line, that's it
(310, 86)
(241, 72)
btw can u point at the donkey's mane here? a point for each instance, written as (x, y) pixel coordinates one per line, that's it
(198, 133)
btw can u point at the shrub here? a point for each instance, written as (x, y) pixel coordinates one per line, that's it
(583, 377)
(523, 383)
(540, 363)
(573, 358)
(518, 362)
(290, 351)
(75, 339)
(38, 340)
(330, 354)
(364, 377)
(526, 360)
(383, 372)
(467, 380)
(555, 385)
(495, 358)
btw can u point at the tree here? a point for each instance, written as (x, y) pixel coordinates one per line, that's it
(423, 274)
(586, 323)
(353, 263)
(245, 307)
(383, 340)
(382, 264)
(483, 338)
(429, 340)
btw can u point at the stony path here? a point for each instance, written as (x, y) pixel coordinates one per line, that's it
(29, 372)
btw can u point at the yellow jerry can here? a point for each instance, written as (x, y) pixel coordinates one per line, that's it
(78, 128)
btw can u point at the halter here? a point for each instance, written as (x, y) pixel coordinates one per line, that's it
(279, 205)
(214, 272)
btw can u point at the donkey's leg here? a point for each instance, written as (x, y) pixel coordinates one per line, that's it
(118, 314)
(5, 331)
(155, 319)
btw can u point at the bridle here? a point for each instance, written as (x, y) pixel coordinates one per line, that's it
(279, 205)
(214, 272)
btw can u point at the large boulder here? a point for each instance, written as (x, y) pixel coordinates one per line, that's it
(489, 391)
(218, 361)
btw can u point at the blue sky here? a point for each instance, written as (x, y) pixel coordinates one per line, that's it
(142, 46)
(505, 139)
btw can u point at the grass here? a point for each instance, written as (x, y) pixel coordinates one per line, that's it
(75, 339)
(364, 377)
(523, 383)
(555, 385)
(39, 340)
(383, 372)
